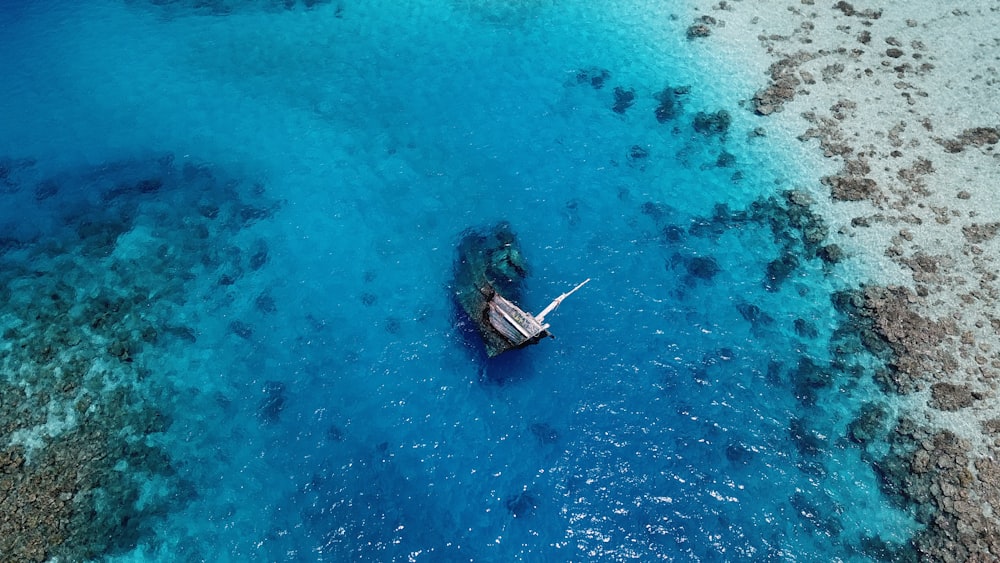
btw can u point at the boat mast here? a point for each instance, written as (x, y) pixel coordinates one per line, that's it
(555, 303)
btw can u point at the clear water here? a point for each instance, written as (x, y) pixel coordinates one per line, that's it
(326, 400)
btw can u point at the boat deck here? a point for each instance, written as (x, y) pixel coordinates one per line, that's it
(515, 325)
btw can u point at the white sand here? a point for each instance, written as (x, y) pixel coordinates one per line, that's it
(891, 86)
(904, 112)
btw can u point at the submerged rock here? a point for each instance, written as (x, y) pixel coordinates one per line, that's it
(976, 136)
(782, 88)
(703, 267)
(623, 99)
(728, 160)
(831, 253)
(594, 76)
(698, 30)
(145, 186)
(868, 424)
(754, 315)
(673, 233)
(241, 329)
(808, 379)
(228, 7)
(979, 233)
(265, 303)
(656, 211)
(334, 433)
(259, 255)
(637, 156)
(670, 99)
(739, 454)
(544, 432)
(931, 470)
(847, 187)
(45, 190)
(807, 441)
(779, 270)
(895, 326)
(712, 123)
(824, 516)
(721, 220)
(270, 407)
(805, 329)
(521, 505)
(701, 27)
(881, 550)
(951, 397)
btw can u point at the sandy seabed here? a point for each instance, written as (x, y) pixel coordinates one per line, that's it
(896, 106)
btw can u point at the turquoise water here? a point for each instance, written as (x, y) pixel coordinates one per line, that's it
(283, 188)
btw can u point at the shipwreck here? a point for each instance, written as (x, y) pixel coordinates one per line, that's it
(490, 266)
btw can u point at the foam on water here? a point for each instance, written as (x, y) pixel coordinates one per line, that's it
(326, 400)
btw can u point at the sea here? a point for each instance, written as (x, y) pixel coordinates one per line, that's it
(228, 235)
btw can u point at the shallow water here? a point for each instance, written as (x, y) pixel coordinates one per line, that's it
(313, 169)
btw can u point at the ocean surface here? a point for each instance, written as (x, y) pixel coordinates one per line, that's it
(238, 220)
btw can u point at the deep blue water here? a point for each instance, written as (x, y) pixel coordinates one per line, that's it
(315, 168)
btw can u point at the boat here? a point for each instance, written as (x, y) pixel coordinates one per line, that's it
(488, 276)
(515, 327)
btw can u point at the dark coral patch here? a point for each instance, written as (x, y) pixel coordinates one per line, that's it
(273, 403)
(595, 77)
(670, 103)
(521, 505)
(637, 156)
(265, 303)
(779, 270)
(712, 123)
(259, 257)
(624, 99)
(241, 329)
(544, 432)
(703, 267)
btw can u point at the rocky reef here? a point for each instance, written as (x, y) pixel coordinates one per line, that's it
(76, 460)
(87, 298)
